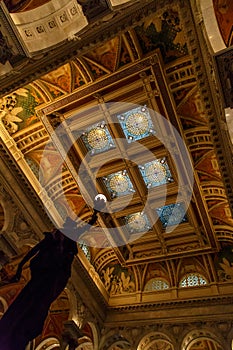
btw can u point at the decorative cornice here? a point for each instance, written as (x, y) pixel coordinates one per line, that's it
(97, 33)
(209, 301)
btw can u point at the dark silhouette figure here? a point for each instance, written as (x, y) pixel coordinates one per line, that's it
(50, 266)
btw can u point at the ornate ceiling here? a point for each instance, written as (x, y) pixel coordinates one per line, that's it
(137, 118)
(25, 5)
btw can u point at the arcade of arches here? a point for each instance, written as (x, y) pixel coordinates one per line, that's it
(136, 97)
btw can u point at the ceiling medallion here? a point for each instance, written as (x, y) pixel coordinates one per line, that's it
(172, 214)
(156, 173)
(97, 138)
(119, 184)
(138, 222)
(136, 123)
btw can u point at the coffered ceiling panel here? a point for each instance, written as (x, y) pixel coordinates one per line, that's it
(131, 117)
(136, 156)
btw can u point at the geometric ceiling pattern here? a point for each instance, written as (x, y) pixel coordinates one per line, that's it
(129, 145)
(136, 138)
(128, 119)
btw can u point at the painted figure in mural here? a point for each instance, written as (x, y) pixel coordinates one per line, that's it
(50, 266)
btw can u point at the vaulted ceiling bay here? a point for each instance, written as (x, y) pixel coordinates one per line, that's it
(138, 117)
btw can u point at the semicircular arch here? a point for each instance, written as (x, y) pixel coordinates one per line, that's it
(150, 339)
(201, 334)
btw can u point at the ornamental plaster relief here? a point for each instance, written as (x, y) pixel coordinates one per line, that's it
(50, 24)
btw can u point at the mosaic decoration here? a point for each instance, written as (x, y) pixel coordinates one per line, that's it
(191, 111)
(79, 78)
(28, 102)
(192, 280)
(124, 57)
(96, 70)
(60, 78)
(106, 55)
(136, 124)
(156, 284)
(164, 33)
(172, 214)
(118, 184)
(39, 94)
(97, 138)
(137, 222)
(156, 173)
(33, 166)
(17, 110)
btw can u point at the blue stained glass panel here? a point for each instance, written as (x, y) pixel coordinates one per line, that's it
(156, 173)
(136, 123)
(172, 214)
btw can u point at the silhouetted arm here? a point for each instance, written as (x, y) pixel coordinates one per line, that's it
(88, 224)
(26, 258)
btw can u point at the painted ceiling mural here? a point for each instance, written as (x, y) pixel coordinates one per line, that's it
(164, 34)
(224, 15)
(23, 5)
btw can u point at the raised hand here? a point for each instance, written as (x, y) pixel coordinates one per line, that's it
(99, 204)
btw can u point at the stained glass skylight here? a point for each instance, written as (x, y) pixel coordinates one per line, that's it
(172, 214)
(192, 280)
(156, 173)
(137, 222)
(118, 184)
(156, 284)
(85, 249)
(136, 124)
(97, 138)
